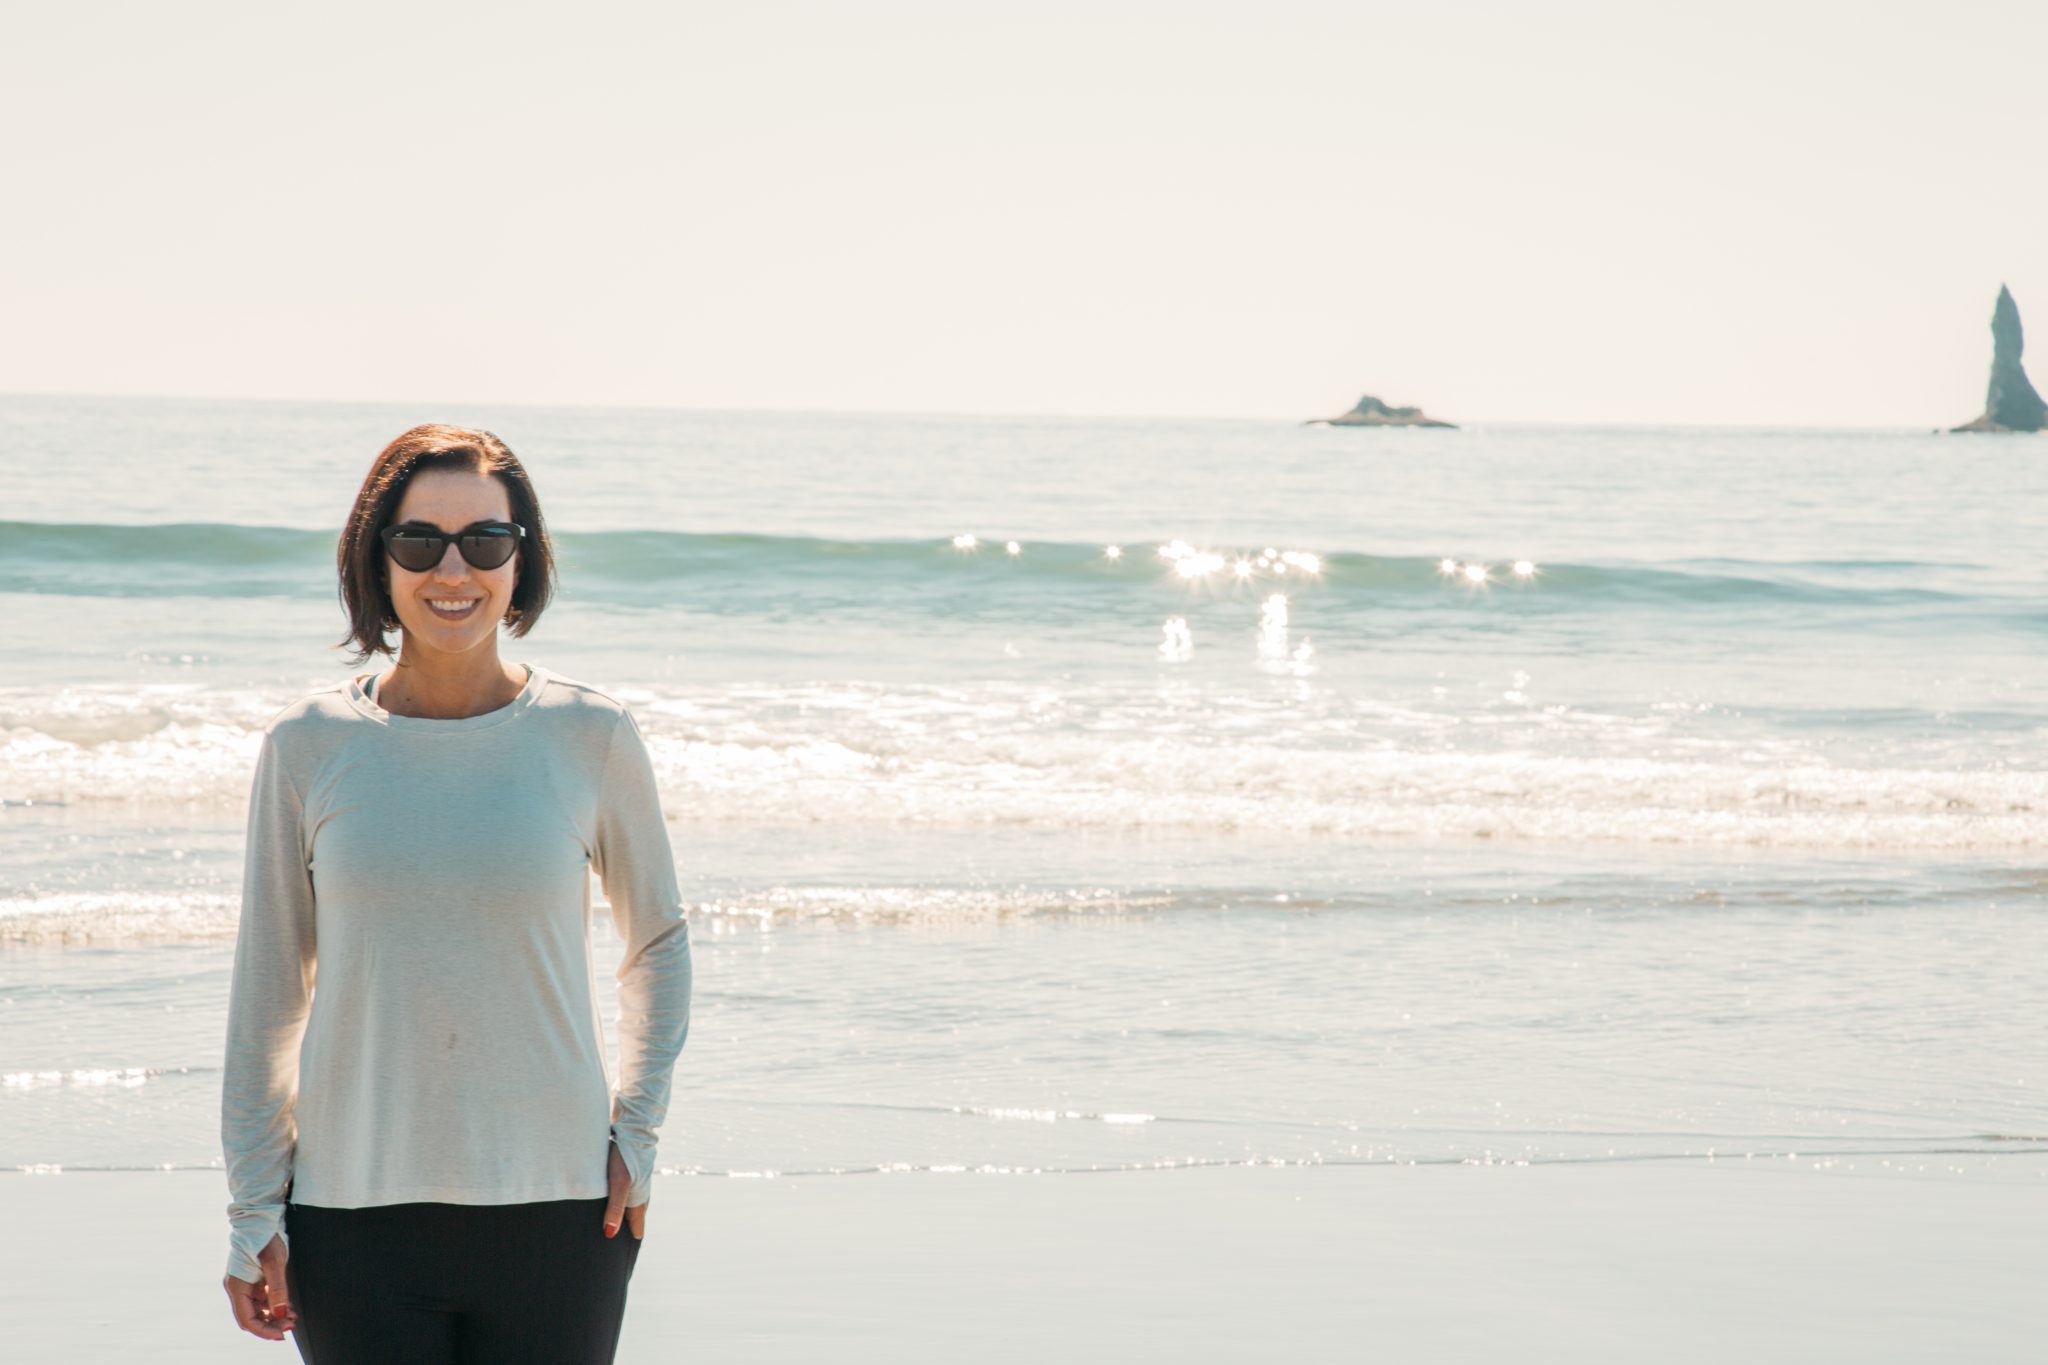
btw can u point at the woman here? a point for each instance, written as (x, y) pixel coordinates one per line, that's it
(427, 1158)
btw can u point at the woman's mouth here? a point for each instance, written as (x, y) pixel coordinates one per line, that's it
(453, 608)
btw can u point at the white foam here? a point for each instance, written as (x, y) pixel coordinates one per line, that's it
(1087, 782)
(125, 1078)
(155, 743)
(118, 917)
(1055, 1115)
(899, 904)
(1185, 758)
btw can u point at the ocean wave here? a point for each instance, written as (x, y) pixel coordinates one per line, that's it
(118, 917)
(1394, 793)
(729, 571)
(991, 754)
(130, 917)
(103, 919)
(118, 1077)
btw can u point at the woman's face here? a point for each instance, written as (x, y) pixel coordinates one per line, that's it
(453, 607)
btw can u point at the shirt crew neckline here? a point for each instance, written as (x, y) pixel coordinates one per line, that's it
(536, 678)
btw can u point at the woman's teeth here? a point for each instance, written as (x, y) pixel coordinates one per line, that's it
(453, 608)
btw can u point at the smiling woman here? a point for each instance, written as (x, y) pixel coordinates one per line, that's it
(436, 1130)
(440, 479)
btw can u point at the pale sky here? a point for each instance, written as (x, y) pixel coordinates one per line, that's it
(1787, 212)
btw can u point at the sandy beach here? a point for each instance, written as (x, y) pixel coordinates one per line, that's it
(1686, 1261)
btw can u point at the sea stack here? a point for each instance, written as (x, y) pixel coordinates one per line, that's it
(2012, 404)
(1371, 412)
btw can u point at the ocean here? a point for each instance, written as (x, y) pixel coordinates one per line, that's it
(1076, 795)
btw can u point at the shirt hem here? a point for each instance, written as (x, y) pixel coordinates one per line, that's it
(456, 1194)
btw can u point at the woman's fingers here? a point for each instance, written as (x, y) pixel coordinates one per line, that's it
(264, 1308)
(618, 1185)
(277, 1294)
(249, 1303)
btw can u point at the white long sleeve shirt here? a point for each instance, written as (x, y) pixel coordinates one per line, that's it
(414, 1012)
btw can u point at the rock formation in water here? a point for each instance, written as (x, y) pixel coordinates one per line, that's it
(1371, 412)
(2012, 404)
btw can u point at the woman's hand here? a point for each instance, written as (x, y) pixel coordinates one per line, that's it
(265, 1309)
(621, 1185)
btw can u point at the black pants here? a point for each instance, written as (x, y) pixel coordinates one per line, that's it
(438, 1284)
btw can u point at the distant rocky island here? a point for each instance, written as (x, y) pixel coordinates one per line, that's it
(2012, 404)
(1371, 412)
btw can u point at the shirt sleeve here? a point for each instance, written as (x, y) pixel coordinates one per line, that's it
(637, 868)
(268, 1003)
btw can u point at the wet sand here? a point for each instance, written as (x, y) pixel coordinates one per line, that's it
(1671, 1261)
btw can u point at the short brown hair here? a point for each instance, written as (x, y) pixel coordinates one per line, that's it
(365, 581)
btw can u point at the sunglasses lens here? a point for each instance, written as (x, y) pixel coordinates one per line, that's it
(416, 552)
(421, 550)
(488, 549)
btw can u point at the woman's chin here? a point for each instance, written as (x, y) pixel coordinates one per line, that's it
(445, 637)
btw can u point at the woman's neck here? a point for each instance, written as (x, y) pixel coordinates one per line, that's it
(448, 687)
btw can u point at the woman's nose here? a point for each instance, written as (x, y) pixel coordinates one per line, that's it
(453, 567)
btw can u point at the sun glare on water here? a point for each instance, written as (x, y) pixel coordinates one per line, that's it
(1178, 643)
(1277, 651)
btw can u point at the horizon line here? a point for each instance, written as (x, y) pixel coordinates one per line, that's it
(1467, 424)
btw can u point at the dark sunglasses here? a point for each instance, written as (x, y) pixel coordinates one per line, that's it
(486, 545)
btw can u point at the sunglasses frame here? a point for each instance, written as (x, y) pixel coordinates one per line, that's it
(419, 531)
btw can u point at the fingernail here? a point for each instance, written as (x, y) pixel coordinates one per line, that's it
(611, 1229)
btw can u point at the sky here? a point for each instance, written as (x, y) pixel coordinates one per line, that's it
(1791, 213)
